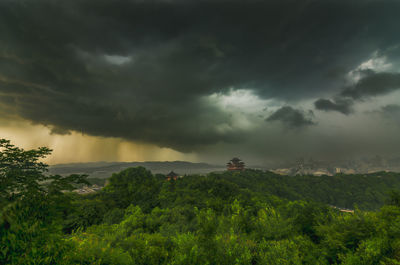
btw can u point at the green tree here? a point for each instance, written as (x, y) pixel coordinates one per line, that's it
(32, 206)
(22, 175)
(133, 186)
(394, 198)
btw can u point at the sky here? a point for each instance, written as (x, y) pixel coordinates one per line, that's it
(143, 80)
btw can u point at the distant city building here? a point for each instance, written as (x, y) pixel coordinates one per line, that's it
(86, 189)
(235, 165)
(319, 172)
(172, 175)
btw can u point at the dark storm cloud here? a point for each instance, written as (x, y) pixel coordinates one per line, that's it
(142, 70)
(391, 109)
(372, 85)
(341, 105)
(291, 117)
(391, 112)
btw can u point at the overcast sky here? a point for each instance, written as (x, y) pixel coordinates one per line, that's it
(201, 80)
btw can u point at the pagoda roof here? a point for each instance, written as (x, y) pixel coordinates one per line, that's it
(172, 174)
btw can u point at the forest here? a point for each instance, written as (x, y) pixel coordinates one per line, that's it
(243, 217)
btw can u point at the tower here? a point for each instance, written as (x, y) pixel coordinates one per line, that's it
(235, 165)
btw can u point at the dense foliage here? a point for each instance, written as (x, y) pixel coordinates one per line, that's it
(249, 217)
(366, 191)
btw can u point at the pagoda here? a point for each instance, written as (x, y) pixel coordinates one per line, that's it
(172, 175)
(235, 165)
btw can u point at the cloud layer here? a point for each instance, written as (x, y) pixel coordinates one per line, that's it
(291, 117)
(341, 105)
(146, 71)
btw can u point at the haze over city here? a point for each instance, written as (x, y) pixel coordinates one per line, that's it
(201, 81)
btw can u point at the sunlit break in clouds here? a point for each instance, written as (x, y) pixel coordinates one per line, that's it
(200, 80)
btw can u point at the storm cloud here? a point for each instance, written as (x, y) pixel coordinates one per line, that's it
(372, 85)
(341, 105)
(146, 71)
(391, 112)
(291, 117)
(369, 86)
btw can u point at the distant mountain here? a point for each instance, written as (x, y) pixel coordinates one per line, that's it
(106, 169)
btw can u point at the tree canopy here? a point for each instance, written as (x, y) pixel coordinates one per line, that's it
(243, 217)
(23, 175)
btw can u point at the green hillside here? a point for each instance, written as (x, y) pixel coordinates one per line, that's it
(247, 217)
